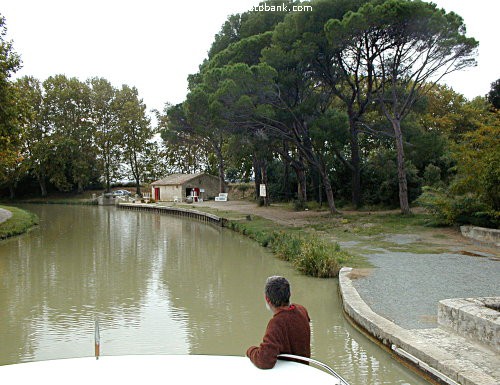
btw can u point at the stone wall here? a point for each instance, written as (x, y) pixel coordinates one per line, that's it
(482, 234)
(471, 318)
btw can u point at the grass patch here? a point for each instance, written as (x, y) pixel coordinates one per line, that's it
(19, 223)
(309, 253)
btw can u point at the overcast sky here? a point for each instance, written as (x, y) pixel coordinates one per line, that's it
(154, 45)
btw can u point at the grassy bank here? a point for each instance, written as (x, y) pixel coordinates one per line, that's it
(307, 252)
(19, 223)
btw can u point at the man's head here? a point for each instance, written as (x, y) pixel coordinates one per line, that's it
(277, 291)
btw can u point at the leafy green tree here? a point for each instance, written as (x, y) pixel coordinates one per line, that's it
(478, 165)
(12, 167)
(107, 136)
(67, 110)
(494, 94)
(300, 43)
(416, 46)
(186, 152)
(10, 62)
(156, 162)
(135, 129)
(36, 132)
(473, 197)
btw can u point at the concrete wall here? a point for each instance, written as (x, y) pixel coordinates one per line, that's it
(208, 182)
(470, 318)
(431, 354)
(482, 234)
(167, 193)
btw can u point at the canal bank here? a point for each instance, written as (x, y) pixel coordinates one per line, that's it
(443, 355)
(160, 284)
(4, 215)
(436, 352)
(15, 221)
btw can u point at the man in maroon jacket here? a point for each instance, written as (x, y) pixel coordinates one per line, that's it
(288, 332)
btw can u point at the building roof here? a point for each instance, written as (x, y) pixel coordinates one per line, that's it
(176, 179)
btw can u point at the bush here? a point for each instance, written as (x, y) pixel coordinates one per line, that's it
(317, 258)
(450, 210)
(285, 245)
(299, 205)
(309, 254)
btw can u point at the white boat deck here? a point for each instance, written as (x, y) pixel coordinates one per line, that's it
(161, 369)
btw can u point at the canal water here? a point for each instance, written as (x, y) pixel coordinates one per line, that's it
(159, 285)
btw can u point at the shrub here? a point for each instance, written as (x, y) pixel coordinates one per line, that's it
(309, 254)
(286, 246)
(317, 258)
(451, 209)
(299, 205)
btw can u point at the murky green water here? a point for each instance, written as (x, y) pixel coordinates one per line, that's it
(159, 285)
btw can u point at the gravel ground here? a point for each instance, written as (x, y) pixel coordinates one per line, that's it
(4, 215)
(406, 288)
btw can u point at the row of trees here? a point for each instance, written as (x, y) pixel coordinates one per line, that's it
(75, 134)
(69, 135)
(337, 103)
(320, 91)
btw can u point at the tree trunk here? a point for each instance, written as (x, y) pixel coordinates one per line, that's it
(302, 184)
(222, 176)
(356, 167)
(265, 199)
(108, 179)
(320, 192)
(258, 177)
(403, 185)
(138, 186)
(286, 181)
(328, 191)
(12, 191)
(41, 181)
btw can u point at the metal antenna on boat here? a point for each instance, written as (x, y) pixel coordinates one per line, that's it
(317, 363)
(97, 339)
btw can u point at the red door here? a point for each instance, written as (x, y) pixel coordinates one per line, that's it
(157, 193)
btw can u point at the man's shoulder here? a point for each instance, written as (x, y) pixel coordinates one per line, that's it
(300, 307)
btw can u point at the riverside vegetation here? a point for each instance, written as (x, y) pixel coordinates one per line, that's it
(20, 222)
(308, 253)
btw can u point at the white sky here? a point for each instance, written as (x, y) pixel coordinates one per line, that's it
(155, 44)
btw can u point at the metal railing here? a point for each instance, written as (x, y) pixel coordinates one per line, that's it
(317, 363)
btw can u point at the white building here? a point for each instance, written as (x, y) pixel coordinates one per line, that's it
(179, 186)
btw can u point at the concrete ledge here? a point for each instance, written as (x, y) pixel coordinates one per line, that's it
(482, 234)
(194, 214)
(469, 317)
(427, 354)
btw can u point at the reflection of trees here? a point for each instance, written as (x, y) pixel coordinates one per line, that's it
(89, 261)
(216, 277)
(97, 260)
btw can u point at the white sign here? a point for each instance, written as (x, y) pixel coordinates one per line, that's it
(262, 190)
(202, 190)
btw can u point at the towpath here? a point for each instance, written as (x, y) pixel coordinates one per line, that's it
(4, 215)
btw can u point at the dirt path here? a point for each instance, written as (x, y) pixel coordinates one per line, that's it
(275, 213)
(442, 238)
(4, 215)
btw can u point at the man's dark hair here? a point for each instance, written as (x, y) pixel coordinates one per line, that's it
(278, 291)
